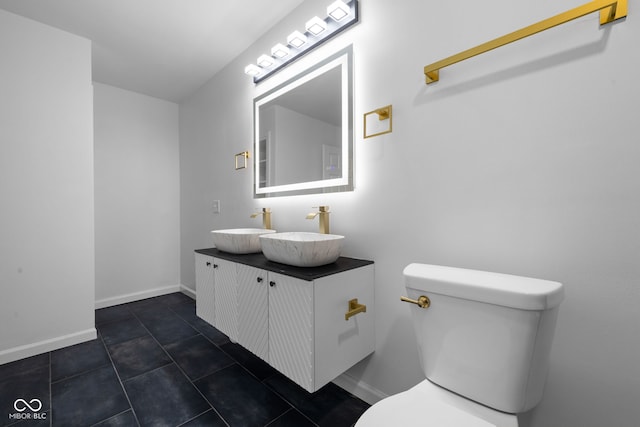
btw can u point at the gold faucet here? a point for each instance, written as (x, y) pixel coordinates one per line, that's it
(266, 217)
(324, 218)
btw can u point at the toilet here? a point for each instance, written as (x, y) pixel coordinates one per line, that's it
(483, 342)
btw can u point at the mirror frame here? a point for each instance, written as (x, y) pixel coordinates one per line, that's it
(343, 59)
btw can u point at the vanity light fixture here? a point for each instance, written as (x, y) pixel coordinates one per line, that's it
(315, 26)
(338, 10)
(341, 14)
(252, 70)
(280, 51)
(265, 61)
(296, 39)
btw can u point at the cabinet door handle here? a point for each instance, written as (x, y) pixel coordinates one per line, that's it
(354, 308)
(208, 264)
(272, 283)
(259, 280)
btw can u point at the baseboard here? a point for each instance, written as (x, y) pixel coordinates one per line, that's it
(44, 346)
(135, 296)
(360, 389)
(188, 291)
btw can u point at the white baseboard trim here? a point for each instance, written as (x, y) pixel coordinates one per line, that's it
(188, 291)
(360, 389)
(135, 296)
(44, 346)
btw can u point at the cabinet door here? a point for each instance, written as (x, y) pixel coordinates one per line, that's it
(205, 305)
(291, 328)
(341, 343)
(253, 310)
(226, 298)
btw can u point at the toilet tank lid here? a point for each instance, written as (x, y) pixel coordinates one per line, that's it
(523, 293)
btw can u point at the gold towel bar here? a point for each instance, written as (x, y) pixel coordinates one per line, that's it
(610, 10)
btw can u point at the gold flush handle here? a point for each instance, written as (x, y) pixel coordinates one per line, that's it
(354, 308)
(423, 301)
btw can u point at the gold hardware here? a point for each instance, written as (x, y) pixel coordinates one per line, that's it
(423, 301)
(324, 218)
(266, 217)
(384, 113)
(354, 308)
(241, 160)
(610, 10)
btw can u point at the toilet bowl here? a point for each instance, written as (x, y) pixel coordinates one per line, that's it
(484, 341)
(429, 405)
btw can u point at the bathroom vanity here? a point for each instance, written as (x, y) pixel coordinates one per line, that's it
(302, 321)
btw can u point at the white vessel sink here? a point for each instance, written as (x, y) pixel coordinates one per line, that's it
(302, 249)
(239, 240)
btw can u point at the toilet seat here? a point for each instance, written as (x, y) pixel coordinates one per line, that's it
(428, 405)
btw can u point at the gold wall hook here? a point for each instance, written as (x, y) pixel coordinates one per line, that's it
(384, 113)
(354, 308)
(241, 160)
(423, 301)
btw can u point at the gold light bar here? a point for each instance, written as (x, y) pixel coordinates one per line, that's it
(610, 10)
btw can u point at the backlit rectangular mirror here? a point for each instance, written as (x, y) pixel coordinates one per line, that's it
(303, 132)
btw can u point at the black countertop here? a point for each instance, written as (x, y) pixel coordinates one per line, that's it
(305, 273)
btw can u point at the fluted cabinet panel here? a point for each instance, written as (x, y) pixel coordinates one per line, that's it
(226, 298)
(291, 328)
(205, 304)
(253, 310)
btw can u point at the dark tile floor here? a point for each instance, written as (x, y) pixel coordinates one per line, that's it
(155, 363)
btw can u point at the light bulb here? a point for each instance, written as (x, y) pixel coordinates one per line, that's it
(280, 51)
(252, 70)
(265, 61)
(338, 10)
(315, 26)
(296, 39)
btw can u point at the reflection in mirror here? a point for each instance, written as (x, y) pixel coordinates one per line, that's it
(304, 133)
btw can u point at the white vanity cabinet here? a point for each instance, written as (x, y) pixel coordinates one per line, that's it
(309, 339)
(226, 297)
(216, 293)
(253, 310)
(291, 332)
(205, 300)
(294, 318)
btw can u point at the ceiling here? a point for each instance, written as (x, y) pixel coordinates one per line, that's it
(163, 48)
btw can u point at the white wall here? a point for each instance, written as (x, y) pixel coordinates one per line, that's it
(46, 189)
(137, 196)
(521, 161)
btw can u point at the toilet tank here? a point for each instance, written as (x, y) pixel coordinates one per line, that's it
(485, 336)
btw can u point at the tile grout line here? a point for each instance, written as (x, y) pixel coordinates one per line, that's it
(111, 417)
(124, 390)
(79, 374)
(183, 311)
(176, 363)
(287, 400)
(262, 382)
(293, 408)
